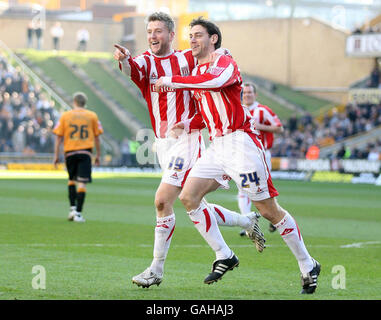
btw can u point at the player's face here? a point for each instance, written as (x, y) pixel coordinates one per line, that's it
(248, 95)
(200, 42)
(159, 38)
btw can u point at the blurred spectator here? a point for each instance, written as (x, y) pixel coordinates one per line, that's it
(57, 33)
(134, 145)
(313, 152)
(292, 123)
(375, 76)
(344, 152)
(125, 151)
(39, 34)
(29, 35)
(83, 37)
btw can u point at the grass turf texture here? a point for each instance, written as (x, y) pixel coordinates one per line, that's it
(97, 259)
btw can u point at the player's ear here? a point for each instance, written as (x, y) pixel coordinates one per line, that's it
(214, 38)
(171, 35)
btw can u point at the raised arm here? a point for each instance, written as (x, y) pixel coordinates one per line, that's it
(222, 73)
(130, 66)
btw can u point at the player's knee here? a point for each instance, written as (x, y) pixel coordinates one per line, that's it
(162, 203)
(188, 201)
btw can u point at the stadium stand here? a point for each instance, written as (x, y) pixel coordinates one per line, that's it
(27, 115)
(301, 133)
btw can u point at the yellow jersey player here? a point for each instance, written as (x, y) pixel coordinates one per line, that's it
(79, 130)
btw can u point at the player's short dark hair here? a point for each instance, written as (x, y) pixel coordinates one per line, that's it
(250, 84)
(163, 17)
(210, 27)
(80, 99)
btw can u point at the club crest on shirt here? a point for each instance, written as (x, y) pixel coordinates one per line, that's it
(184, 71)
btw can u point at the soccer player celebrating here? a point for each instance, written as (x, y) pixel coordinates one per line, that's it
(176, 156)
(79, 130)
(235, 150)
(267, 123)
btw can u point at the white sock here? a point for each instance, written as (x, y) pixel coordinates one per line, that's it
(244, 203)
(206, 223)
(226, 217)
(290, 233)
(163, 236)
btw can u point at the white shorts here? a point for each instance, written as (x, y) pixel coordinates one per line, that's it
(177, 156)
(239, 156)
(268, 159)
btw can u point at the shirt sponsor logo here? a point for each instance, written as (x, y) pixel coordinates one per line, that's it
(163, 89)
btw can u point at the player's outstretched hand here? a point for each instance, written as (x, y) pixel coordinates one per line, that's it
(120, 53)
(159, 84)
(177, 130)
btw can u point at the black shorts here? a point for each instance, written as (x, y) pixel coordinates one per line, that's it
(78, 164)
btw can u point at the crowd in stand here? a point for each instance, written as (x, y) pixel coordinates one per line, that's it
(27, 115)
(302, 133)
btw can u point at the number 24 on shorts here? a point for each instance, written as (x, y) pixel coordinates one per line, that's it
(252, 177)
(176, 163)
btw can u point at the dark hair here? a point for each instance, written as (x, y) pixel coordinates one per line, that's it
(250, 84)
(163, 17)
(210, 27)
(80, 99)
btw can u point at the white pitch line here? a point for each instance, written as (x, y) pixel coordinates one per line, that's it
(359, 244)
(116, 245)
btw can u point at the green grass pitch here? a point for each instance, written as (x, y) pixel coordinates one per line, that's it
(340, 223)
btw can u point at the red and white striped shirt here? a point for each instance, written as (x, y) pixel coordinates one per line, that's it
(217, 90)
(168, 106)
(264, 115)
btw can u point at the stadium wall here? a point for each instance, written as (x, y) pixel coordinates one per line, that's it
(304, 53)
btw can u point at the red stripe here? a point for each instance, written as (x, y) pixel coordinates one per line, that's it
(260, 116)
(272, 191)
(199, 145)
(162, 225)
(170, 235)
(207, 219)
(179, 93)
(215, 114)
(297, 227)
(146, 91)
(185, 177)
(163, 107)
(220, 213)
(254, 137)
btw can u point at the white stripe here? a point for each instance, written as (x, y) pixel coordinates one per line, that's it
(221, 108)
(209, 116)
(155, 98)
(171, 96)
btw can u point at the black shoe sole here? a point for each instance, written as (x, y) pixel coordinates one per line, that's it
(145, 286)
(311, 290)
(215, 280)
